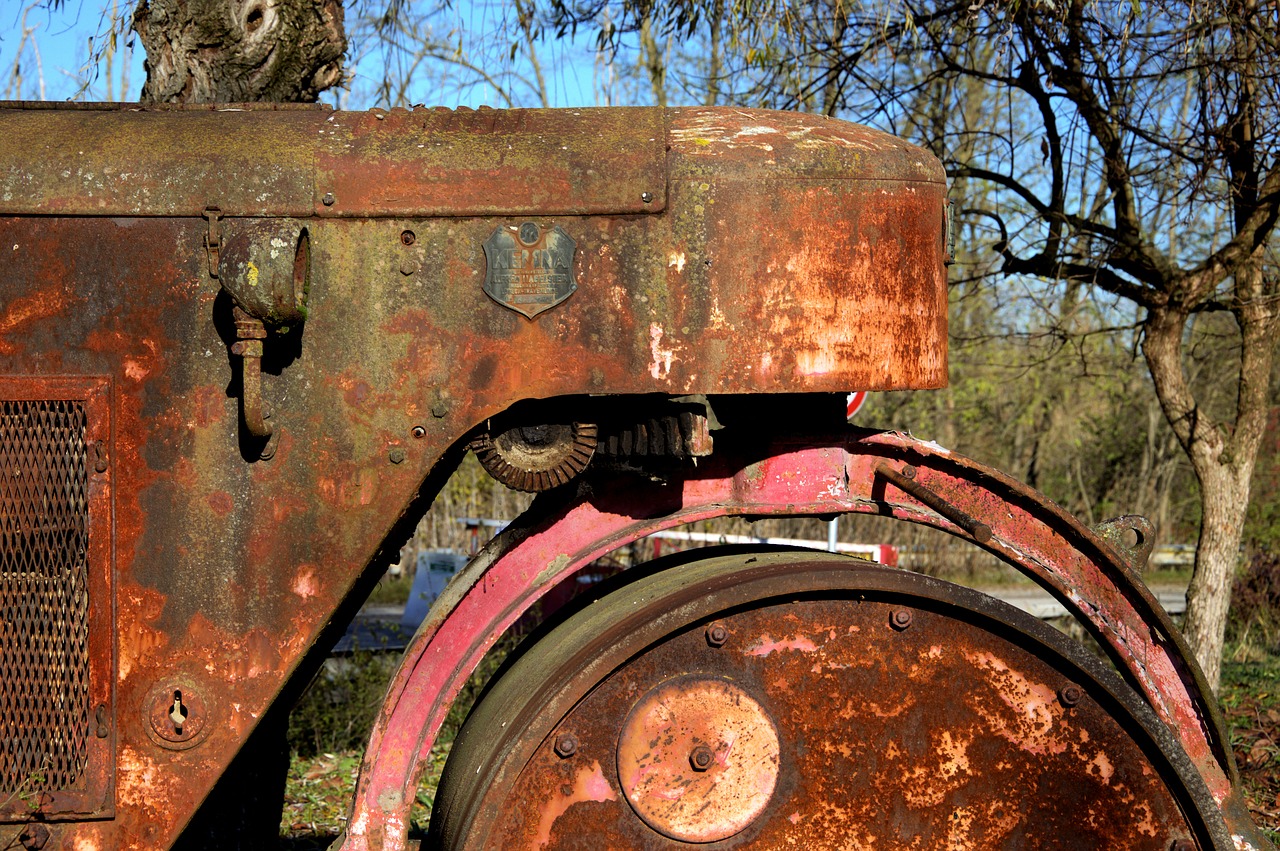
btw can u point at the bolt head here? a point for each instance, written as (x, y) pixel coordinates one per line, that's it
(328, 199)
(397, 456)
(408, 237)
(646, 197)
(717, 635)
(1070, 694)
(900, 619)
(701, 758)
(566, 745)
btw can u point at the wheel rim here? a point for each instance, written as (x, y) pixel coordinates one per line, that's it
(775, 700)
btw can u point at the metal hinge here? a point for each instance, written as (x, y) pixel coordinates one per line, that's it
(213, 238)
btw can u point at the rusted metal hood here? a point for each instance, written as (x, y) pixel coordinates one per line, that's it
(130, 160)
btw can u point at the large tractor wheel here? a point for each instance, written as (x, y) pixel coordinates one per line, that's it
(809, 701)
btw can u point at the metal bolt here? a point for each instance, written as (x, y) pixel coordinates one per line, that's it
(419, 432)
(701, 758)
(327, 200)
(566, 745)
(909, 471)
(408, 266)
(646, 197)
(397, 455)
(900, 619)
(407, 237)
(1070, 694)
(34, 836)
(440, 409)
(717, 635)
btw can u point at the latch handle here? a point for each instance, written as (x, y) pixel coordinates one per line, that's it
(250, 333)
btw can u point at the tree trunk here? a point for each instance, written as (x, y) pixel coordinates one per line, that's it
(1224, 494)
(236, 51)
(1223, 460)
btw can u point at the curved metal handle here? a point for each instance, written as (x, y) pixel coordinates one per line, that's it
(250, 333)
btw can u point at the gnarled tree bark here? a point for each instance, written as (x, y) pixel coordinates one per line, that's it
(236, 51)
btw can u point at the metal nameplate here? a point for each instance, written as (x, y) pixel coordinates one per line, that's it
(529, 267)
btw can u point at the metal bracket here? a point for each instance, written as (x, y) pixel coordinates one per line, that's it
(213, 238)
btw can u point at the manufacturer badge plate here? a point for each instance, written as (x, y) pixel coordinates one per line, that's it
(529, 268)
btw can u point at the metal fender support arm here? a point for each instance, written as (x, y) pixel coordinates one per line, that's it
(864, 472)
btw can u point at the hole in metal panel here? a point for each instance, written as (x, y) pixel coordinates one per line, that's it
(44, 598)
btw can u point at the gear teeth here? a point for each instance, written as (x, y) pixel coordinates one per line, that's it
(538, 468)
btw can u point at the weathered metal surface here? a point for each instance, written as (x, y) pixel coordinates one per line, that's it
(486, 162)
(788, 478)
(829, 720)
(131, 160)
(697, 758)
(135, 160)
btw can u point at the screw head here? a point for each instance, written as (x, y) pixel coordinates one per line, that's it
(646, 197)
(408, 237)
(328, 199)
(900, 619)
(1070, 694)
(909, 472)
(717, 635)
(701, 758)
(566, 745)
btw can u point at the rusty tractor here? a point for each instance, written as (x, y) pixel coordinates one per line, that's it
(241, 348)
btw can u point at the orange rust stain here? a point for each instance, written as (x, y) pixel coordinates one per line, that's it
(589, 784)
(139, 607)
(23, 311)
(1037, 720)
(768, 644)
(221, 503)
(305, 584)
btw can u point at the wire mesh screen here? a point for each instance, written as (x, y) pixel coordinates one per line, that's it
(44, 598)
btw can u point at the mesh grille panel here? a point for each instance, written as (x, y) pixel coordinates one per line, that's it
(44, 599)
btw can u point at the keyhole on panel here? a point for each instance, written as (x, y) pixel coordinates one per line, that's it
(177, 713)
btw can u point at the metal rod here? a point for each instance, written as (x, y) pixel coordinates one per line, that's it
(905, 481)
